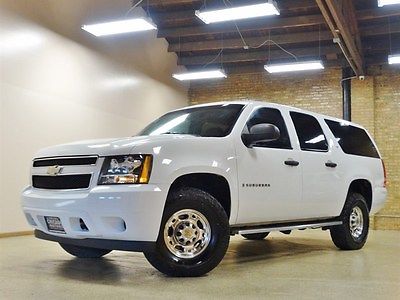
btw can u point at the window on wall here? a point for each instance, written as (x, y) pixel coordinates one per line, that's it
(309, 132)
(270, 116)
(352, 140)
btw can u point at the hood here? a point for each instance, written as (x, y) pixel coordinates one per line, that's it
(101, 147)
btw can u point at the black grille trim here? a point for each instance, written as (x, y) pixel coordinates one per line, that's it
(63, 182)
(73, 161)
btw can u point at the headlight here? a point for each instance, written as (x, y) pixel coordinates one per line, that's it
(127, 169)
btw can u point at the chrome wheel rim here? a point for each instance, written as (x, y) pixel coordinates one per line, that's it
(187, 233)
(356, 222)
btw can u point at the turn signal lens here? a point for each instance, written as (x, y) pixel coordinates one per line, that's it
(146, 170)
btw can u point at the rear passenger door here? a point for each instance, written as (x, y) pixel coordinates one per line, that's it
(320, 165)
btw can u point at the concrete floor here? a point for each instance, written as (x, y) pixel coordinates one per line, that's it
(304, 265)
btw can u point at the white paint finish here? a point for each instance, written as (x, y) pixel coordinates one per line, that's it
(260, 165)
(309, 191)
(99, 204)
(59, 84)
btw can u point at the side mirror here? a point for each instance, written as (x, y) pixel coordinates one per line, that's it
(261, 133)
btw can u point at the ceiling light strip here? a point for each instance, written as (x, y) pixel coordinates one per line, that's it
(209, 74)
(294, 67)
(238, 13)
(118, 27)
(382, 3)
(394, 59)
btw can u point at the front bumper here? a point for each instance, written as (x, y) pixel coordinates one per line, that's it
(110, 213)
(99, 243)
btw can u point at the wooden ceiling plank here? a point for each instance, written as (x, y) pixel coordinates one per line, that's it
(246, 56)
(282, 39)
(282, 4)
(267, 23)
(189, 14)
(270, 23)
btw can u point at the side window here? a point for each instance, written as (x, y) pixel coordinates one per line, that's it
(352, 140)
(271, 116)
(309, 132)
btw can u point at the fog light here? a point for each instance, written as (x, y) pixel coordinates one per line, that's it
(83, 225)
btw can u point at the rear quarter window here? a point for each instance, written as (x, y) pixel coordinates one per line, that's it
(352, 140)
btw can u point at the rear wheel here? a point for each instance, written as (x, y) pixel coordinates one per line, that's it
(255, 236)
(84, 252)
(193, 237)
(353, 233)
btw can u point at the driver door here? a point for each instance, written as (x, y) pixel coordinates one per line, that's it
(268, 174)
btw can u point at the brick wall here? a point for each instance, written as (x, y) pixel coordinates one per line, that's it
(375, 105)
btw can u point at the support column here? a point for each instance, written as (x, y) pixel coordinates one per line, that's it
(346, 93)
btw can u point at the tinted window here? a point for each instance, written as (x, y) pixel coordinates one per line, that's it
(270, 116)
(353, 140)
(309, 132)
(206, 121)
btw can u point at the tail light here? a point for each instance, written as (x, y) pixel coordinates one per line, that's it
(384, 174)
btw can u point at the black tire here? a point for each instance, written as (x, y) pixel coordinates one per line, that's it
(342, 235)
(84, 252)
(197, 201)
(255, 236)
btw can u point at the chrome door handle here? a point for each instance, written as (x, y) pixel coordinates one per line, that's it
(291, 162)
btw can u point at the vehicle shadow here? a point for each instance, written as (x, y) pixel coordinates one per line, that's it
(245, 251)
(90, 270)
(128, 267)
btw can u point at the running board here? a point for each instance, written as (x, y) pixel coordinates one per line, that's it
(289, 227)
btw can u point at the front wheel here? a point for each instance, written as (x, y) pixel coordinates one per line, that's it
(84, 252)
(193, 237)
(353, 233)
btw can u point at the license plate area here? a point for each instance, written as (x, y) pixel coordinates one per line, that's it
(54, 224)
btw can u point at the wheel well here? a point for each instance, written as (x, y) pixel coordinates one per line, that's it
(215, 185)
(363, 187)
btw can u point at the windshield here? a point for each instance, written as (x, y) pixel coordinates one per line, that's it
(206, 121)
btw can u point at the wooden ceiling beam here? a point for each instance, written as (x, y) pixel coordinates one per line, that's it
(189, 14)
(248, 68)
(340, 25)
(282, 4)
(168, 2)
(282, 39)
(269, 23)
(255, 56)
(272, 22)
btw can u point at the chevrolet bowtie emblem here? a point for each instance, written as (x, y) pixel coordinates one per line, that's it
(54, 170)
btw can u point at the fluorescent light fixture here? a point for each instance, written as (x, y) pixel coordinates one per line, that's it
(382, 3)
(394, 59)
(200, 75)
(238, 13)
(294, 67)
(116, 27)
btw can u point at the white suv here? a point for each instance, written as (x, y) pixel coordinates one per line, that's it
(197, 175)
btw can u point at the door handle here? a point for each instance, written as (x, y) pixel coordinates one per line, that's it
(331, 164)
(291, 162)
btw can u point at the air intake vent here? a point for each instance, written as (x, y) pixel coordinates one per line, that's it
(64, 182)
